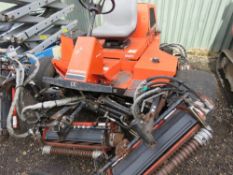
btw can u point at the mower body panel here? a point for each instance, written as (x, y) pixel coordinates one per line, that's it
(67, 48)
(140, 58)
(86, 61)
(155, 62)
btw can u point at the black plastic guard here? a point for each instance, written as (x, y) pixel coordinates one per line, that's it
(143, 157)
(5, 103)
(79, 135)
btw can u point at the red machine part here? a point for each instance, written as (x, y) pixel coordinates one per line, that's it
(15, 118)
(72, 152)
(67, 47)
(83, 146)
(84, 124)
(86, 61)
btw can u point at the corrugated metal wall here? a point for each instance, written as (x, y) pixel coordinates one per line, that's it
(203, 24)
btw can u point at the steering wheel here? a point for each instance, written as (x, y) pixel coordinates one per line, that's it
(91, 6)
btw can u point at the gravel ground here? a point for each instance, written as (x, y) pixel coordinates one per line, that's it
(22, 157)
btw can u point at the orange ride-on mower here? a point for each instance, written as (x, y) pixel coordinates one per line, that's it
(115, 95)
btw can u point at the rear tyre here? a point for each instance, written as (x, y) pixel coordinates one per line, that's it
(5, 103)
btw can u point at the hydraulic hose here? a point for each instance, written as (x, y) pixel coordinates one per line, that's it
(35, 71)
(140, 86)
(19, 83)
(177, 81)
(181, 49)
(32, 75)
(48, 105)
(135, 109)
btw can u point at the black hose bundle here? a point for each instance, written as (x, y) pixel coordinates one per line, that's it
(178, 49)
(155, 99)
(158, 86)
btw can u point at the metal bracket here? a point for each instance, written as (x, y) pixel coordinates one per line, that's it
(78, 85)
(21, 37)
(34, 32)
(57, 5)
(38, 19)
(52, 39)
(20, 12)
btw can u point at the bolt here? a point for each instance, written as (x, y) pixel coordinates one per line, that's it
(155, 60)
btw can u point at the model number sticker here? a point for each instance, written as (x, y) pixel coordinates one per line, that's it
(132, 51)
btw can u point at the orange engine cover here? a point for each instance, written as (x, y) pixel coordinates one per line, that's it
(166, 64)
(86, 63)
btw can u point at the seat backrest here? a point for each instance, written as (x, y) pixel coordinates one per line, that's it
(125, 13)
(121, 22)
